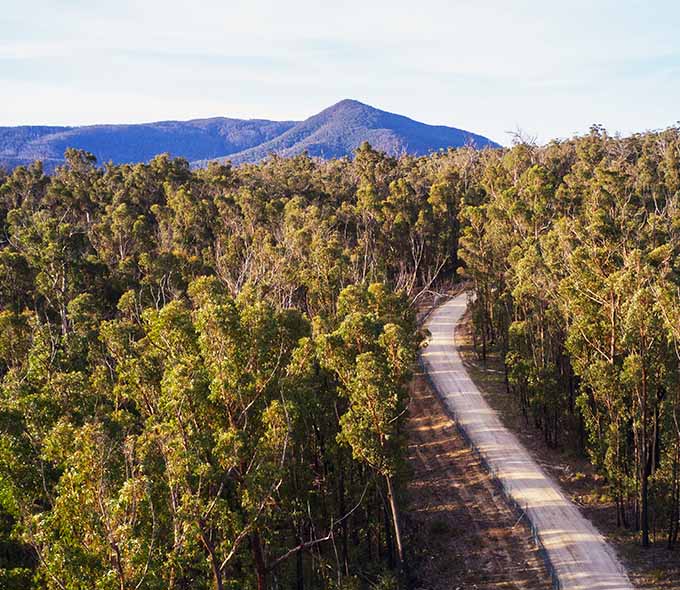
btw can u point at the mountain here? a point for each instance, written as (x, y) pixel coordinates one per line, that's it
(193, 140)
(334, 132)
(338, 130)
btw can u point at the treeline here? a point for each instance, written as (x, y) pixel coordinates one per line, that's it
(575, 258)
(203, 373)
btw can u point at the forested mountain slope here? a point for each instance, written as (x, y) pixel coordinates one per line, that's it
(334, 132)
(338, 130)
(200, 138)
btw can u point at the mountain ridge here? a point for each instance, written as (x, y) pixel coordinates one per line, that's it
(334, 132)
(341, 128)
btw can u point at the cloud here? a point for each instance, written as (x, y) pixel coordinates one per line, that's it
(550, 68)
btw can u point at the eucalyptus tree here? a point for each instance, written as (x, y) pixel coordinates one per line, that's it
(371, 354)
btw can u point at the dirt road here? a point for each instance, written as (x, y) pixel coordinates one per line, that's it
(580, 557)
(461, 532)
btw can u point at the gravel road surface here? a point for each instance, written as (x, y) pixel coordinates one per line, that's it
(580, 557)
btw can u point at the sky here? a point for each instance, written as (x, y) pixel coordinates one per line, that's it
(548, 69)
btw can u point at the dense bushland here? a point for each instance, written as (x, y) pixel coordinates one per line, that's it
(574, 253)
(203, 374)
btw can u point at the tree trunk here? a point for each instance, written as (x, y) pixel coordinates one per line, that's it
(299, 569)
(214, 564)
(258, 557)
(673, 521)
(645, 507)
(645, 461)
(345, 523)
(395, 521)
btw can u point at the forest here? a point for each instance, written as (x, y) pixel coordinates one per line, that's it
(204, 373)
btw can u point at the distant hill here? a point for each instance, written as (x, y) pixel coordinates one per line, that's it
(193, 140)
(334, 132)
(338, 130)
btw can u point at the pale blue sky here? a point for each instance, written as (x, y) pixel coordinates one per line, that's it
(549, 68)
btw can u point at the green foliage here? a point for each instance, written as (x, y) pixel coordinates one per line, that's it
(573, 255)
(203, 374)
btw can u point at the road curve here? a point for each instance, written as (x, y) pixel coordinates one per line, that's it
(579, 556)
